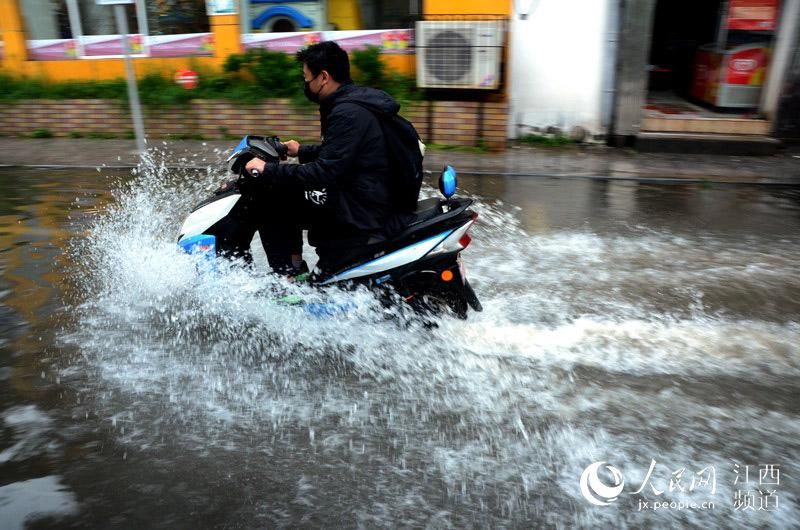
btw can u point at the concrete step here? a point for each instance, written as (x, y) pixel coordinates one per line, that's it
(711, 144)
(705, 125)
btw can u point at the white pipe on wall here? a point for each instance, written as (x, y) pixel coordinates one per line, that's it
(784, 45)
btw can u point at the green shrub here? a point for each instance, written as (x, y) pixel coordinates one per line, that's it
(157, 90)
(547, 140)
(185, 136)
(247, 78)
(480, 148)
(275, 73)
(100, 135)
(368, 68)
(42, 133)
(402, 87)
(37, 88)
(226, 133)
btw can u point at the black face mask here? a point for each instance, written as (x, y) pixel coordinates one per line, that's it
(312, 97)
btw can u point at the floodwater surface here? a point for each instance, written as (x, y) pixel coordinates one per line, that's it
(650, 330)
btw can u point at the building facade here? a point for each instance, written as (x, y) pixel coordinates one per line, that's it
(593, 69)
(628, 69)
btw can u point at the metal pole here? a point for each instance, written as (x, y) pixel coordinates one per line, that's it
(133, 92)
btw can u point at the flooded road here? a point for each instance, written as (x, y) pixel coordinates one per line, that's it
(652, 330)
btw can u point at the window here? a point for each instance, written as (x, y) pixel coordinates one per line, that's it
(71, 29)
(99, 20)
(288, 25)
(276, 16)
(171, 17)
(46, 20)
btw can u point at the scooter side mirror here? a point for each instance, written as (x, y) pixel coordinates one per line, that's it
(448, 182)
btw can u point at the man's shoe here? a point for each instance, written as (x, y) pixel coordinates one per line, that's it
(293, 273)
(299, 274)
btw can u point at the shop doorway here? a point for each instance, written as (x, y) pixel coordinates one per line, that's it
(708, 62)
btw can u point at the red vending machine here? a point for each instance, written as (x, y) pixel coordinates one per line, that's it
(728, 74)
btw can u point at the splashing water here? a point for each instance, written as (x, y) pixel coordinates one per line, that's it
(620, 347)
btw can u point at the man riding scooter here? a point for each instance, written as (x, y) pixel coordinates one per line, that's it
(340, 190)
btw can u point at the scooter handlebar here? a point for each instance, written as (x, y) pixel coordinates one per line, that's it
(281, 148)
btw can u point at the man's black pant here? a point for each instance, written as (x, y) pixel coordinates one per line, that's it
(282, 215)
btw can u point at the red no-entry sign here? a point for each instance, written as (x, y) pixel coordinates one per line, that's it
(187, 78)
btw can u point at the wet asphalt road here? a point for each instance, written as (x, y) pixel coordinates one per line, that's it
(626, 323)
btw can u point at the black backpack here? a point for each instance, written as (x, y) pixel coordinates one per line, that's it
(404, 153)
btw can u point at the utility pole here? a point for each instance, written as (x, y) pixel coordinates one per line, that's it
(133, 91)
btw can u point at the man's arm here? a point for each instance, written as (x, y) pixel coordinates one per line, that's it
(308, 153)
(336, 155)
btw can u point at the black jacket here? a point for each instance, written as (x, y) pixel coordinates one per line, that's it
(350, 164)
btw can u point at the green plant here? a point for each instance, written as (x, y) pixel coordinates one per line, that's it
(546, 140)
(74, 134)
(368, 68)
(100, 135)
(271, 71)
(225, 133)
(300, 102)
(42, 133)
(481, 148)
(246, 79)
(403, 87)
(157, 90)
(16, 88)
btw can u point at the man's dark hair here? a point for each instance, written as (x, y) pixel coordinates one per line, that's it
(328, 56)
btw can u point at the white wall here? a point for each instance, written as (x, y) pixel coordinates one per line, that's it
(561, 64)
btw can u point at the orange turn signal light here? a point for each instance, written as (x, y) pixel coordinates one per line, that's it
(447, 275)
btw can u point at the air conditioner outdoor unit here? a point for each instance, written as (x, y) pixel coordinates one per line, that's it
(459, 54)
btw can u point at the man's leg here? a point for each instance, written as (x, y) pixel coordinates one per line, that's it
(281, 230)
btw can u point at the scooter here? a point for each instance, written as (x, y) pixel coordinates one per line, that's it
(422, 263)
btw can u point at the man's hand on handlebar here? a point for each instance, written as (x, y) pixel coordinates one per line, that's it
(255, 165)
(293, 147)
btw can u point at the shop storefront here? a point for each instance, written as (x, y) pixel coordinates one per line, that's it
(703, 67)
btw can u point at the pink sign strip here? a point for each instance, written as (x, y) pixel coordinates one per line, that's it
(396, 41)
(195, 44)
(98, 45)
(281, 42)
(52, 49)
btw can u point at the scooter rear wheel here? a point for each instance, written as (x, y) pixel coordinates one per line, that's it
(437, 303)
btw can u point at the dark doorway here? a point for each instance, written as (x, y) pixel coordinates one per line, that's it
(680, 27)
(693, 70)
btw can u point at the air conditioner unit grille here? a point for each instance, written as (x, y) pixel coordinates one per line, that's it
(449, 56)
(462, 54)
